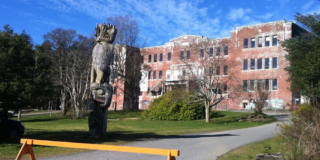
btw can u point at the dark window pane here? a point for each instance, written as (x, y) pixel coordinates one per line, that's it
(253, 42)
(161, 57)
(181, 55)
(245, 43)
(267, 63)
(218, 71)
(253, 64)
(259, 63)
(260, 42)
(211, 52)
(160, 74)
(274, 40)
(225, 70)
(274, 84)
(251, 85)
(266, 84)
(154, 74)
(148, 92)
(274, 62)
(226, 50)
(159, 90)
(155, 58)
(188, 54)
(245, 65)
(149, 59)
(259, 84)
(218, 51)
(225, 88)
(267, 41)
(183, 72)
(169, 56)
(149, 75)
(201, 53)
(115, 90)
(210, 71)
(245, 86)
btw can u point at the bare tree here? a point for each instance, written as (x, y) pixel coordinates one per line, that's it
(259, 96)
(211, 74)
(128, 60)
(71, 57)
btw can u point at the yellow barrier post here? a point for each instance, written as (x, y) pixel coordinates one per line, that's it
(27, 148)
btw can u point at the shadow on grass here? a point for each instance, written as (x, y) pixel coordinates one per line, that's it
(39, 120)
(112, 136)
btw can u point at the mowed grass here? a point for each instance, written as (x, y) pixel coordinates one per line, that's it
(123, 127)
(249, 152)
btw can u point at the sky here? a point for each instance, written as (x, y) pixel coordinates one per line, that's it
(158, 20)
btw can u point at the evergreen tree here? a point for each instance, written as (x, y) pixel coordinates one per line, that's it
(304, 58)
(24, 72)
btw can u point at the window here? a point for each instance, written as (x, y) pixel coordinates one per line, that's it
(183, 72)
(274, 40)
(266, 84)
(211, 52)
(251, 88)
(188, 54)
(245, 65)
(225, 88)
(154, 74)
(210, 71)
(253, 64)
(169, 56)
(260, 42)
(225, 70)
(114, 90)
(149, 75)
(245, 86)
(218, 71)
(259, 63)
(117, 57)
(274, 84)
(161, 57)
(266, 63)
(226, 48)
(148, 92)
(274, 62)
(154, 93)
(201, 53)
(218, 51)
(245, 43)
(259, 85)
(160, 74)
(253, 42)
(181, 55)
(155, 58)
(149, 58)
(267, 43)
(159, 90)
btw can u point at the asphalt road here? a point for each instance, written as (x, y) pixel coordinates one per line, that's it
(202, 146)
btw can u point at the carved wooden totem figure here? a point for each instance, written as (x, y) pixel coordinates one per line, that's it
(101, 78)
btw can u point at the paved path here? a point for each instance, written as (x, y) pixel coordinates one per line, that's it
(202, 146)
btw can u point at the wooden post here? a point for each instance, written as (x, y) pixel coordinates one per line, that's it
(26, 149)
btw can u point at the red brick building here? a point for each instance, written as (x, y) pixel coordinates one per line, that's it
(256, 50)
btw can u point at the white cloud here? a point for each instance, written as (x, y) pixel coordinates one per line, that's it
(307, 6)
(236, 14)
(165, 18)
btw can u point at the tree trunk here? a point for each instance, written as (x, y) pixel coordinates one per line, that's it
(104, 121)
(207, 106)
(131, 102)
(19, 115)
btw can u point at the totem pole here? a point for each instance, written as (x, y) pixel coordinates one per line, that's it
(101, 78)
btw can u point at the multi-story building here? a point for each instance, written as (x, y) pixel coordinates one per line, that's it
(256, 50)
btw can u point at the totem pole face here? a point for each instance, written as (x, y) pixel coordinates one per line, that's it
(105, 33)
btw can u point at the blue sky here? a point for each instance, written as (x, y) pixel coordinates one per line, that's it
(159, 20)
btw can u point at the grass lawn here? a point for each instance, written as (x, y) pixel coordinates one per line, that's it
(249, 152)
(123, 126)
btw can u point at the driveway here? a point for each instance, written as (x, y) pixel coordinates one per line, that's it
(202, 146)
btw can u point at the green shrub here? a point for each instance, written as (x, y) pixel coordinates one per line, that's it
(176, 106)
